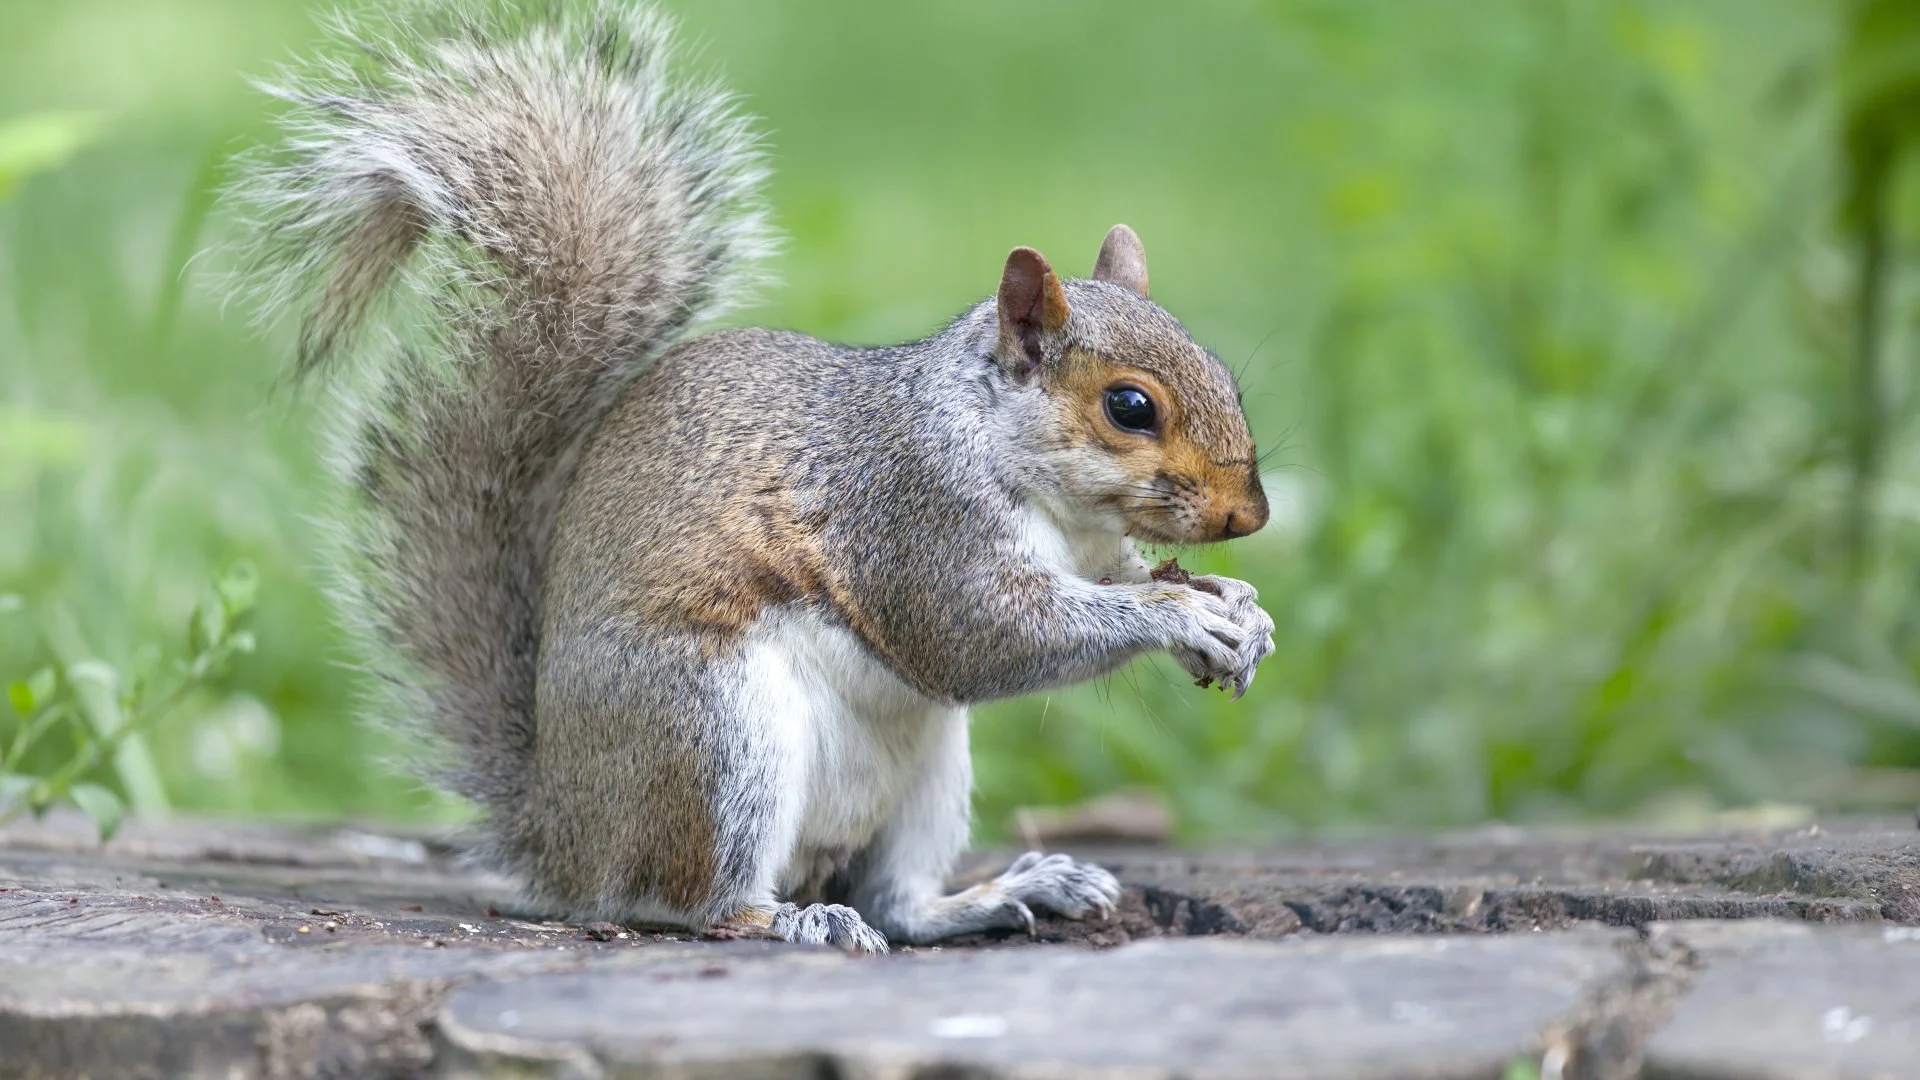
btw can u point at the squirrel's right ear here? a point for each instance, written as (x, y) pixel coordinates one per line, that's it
(1032, 303)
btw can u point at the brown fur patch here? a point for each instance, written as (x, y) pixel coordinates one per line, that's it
(683, 870)
(756, 555)
(620, 834)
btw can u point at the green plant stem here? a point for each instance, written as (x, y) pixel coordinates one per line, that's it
(132, 763)
(100, 750)
(30, 731)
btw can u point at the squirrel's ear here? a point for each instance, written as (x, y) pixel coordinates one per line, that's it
(1122, 260)
(1032, 303)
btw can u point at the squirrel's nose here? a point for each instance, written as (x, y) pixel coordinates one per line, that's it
(1244, 520)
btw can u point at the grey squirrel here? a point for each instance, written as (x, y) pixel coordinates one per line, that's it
(695, 620)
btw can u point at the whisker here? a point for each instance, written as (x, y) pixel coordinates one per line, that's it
(1241, 371)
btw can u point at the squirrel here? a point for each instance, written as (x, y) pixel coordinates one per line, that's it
(695, 621)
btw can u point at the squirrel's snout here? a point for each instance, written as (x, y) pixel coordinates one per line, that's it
(1246, 517)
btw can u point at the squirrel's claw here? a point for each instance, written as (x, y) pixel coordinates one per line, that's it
(1025, 915)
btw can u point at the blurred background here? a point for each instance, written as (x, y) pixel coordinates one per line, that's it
(1583, 332)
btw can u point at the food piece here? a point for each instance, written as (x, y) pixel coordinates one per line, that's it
(1172, 573)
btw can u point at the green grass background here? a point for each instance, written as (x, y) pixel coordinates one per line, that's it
(1544, 302)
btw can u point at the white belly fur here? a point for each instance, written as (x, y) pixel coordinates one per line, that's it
(846, 735)
(850, 734)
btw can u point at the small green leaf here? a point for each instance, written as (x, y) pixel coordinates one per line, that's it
(238, 587)
(242, 641)
(11, 603)
(209, 623)
(29, 694)
(102, 805)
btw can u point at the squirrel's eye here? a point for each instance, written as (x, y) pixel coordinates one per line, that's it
(1130, 409)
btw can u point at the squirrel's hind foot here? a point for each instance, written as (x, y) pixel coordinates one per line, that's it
(815, 924)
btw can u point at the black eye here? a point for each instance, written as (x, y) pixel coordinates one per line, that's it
(1130, 409)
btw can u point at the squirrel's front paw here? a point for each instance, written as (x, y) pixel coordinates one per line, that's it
(1230, 637)
(827, 924)
(1057, 883)
(1242, 603)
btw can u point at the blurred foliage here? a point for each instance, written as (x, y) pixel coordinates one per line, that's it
(105, 712)
(1577, 328)
(32, 143)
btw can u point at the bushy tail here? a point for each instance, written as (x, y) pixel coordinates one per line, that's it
(537, 213)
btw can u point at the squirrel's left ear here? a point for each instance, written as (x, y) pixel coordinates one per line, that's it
(1122, 260)
(1032, 303)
